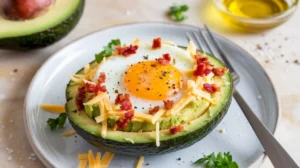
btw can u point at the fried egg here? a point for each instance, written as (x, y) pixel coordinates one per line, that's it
(141, 76)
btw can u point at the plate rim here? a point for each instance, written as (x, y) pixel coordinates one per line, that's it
(29, 133)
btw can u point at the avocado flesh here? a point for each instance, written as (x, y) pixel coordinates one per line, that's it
(165, 122)
(144, 142)
(59, 19)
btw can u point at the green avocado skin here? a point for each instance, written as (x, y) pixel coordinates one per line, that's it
(44, 38)
(151, 148)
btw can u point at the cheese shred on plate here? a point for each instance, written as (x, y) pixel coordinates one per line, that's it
(140, 162)
(106, 159)
(95, 162)
(56, 108)
(82, 164)
(68, 133)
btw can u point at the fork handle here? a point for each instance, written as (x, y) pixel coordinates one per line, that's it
(276, 153)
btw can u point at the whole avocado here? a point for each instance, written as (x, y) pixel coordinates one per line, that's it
(43, 37)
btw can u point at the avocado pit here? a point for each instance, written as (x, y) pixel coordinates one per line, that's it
(24, 9)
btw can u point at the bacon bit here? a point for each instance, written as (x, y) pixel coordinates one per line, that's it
(80, 97)
(126, 105)
(211, 88)
(207, 71)
(203, 66)
(99, 87)
(167, 57)
(101, 78)
(153, 110)
(156, 43)
(168, 104)
(124, 101)
(124, 121)
(219, 71)
(162, 61)
(176, 129)
(92, 88)
(129, 114)
(126, 51)
(165, 60)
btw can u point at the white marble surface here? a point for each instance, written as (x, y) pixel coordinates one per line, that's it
(15, 150)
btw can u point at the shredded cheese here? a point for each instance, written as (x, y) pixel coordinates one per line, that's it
(75, 79)
(82, 164)
(68, 133)
(56, 108)
(86, 81)
(101, 106)
(136, 42)
(168, 43)
(107, 102)
(102, 117)
(157, 134)
(106, 159)
(86, 69)
(158, 115)
(201, 94)
(192, 49)
(82, 156)
(91, 159)
(208, 78)
(98, 161)
(180, 105)
(96, 99)
(137, 115)
(140, 162)
(104, 128)
(91, 74)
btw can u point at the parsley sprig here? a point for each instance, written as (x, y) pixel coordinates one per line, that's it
(219, 161)
(108, 50)
(176, 12)
(59, 121)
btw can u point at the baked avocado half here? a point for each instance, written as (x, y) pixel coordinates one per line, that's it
(199, 117)
(52, 25)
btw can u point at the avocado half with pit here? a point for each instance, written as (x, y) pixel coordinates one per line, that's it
(138, 137)
(52, 25)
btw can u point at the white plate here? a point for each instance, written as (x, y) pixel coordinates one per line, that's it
(49, 83)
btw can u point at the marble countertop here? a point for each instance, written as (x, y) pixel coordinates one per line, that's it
(276, 49)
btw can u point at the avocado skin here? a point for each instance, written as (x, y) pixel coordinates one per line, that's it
(44, 38)
(145, 149)
(151, 148)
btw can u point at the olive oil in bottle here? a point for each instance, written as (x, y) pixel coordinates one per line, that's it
(255, 8)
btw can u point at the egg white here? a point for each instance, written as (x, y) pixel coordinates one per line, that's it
(115, 68)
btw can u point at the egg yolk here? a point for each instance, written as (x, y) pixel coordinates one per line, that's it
(152, 81)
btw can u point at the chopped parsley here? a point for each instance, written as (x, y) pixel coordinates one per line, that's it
(176, 12)
(59, 121)
(108, 50)
(219, 161)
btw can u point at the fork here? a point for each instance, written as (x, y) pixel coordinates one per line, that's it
(278, 156)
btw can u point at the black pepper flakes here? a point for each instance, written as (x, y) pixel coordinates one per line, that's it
(137, 90)
(135, 107)
(15, 70)
(147, 164)
(258, 47)
(153, 65)
(116, 91)
(148, 88)
(178, 159)
(146, 57)
(286, 61)
(297, 62)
